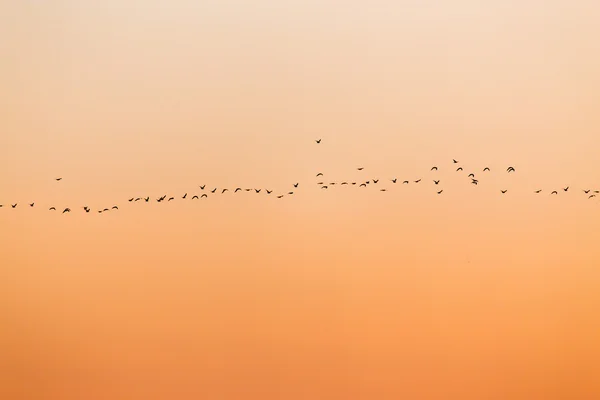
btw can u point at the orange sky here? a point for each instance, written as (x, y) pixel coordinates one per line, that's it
(347, 293)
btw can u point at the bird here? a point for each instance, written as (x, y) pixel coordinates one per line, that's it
(280, 196)
(52, 209)
(593, 195)
(471, 176)
(224, 190)
(66, 210)
(332, 183)
(475, 182)
(455, 162)
(354, 183)
(202, 187)
(586, 191)
(318, 141)
(204, 195)
(32, 204)
(248, 190)
(566, 189)
(138, 199)
(269, 191)
(131, 199)
(434, 168)
(368, 182)
(320, 183)
(237, 190)
(344, 183)
(363, 184)
(99, 211)
(459, 169)
(290, 192)
(14, 205)
(394, 180)
(510, 169)
(375, 180)
(554, 192)
(257, 190)
(106, 209)
(382, 190)
(171, 198)
(418, 181)
(360, 168)
(440, 192)
(296, 185)
(503, 191)
(538, 191)
(214, 190)
(195, 197)
(405, 183)
(115, 207)
(486, 169)
(319, 174)
(58, 179)
(184, 196)
(87, 210)
(147, 199)
(436, 182)
(324, 187)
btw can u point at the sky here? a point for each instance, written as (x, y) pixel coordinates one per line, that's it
(344, 293)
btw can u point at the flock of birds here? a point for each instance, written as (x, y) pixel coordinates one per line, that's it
(590, 193)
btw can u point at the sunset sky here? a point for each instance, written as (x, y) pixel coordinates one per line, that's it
(344, 293)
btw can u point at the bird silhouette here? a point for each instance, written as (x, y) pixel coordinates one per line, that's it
(434, 168)
(510, 169)
(131, 199)
(566, 189)
(224, 190)
(503, 191)
(204, 195)
(171, 198)
(319, 174)
(354, 183)
(14, 205)
(184, 196)
(58, 179)
(360, 168)
(147, 199)
(320, 183)
(332, 183)
(538, 191)
(269, 191)
(418, 181)
(394, 180)
(248, 190)
(344, 183)
(554, 192)
(440, 192)
(138, 199)
(237, 190)
(324, 187)
(202, 187)
(593, 195)
(99, 211)
(296, 185)
(368, 182)
(214, 190)
(375, 180)
(486, 169)
(66, 210)
(106, 209)
(471, 176)
(195, 197)
(257, 190)
(279, 197)
(318, 141)
(459, 169)
(586, 191)
(52, 209)
(32, 204)
(455, 162)
(290, 192)
(474, 181)
(405, 183)
(115, 207)
(382, 190)
(363, 184)
(436, 182)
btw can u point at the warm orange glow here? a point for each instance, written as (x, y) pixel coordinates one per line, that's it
(344, 293)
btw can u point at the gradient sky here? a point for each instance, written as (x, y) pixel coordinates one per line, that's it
(338, 294)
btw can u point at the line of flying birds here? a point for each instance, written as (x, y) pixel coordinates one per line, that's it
(591, 193)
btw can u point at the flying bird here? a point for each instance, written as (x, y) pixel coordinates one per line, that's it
(138, 199)
(52, 209)
(319, 174)
(510, 169)
(363, 184)
(474, 181)
(237, 190)
(320, 183)
(318, 141)
(436, 182)
(382, 190)
(184, 196)
(503, 191)
(434, 168)
(257, 190)
(115, 208)
(418, 181)
(566, 189)
(344, 183)
(214, 190)
(459, 169)
(58, 179)
(375, 180)
(405, 182)
(471, 176)
(248, 190)
(324, 187)
(147, 199)
(554, 192)
(440, 192)
(455, 162)
(195, 197)
(32, 204)
(66, 210)
(14, 205)
(332, 183)
(586, 191)
(224, 190)
(360, 168)
(269, 191)
(202, 187)
(296, 185)
(279, 197)
(171, 198)
(106, 209)
(291, 193)
(394, 180)
(131, 199)
(593, 195)
(204, 195)
(538, 191)
(486, 169)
